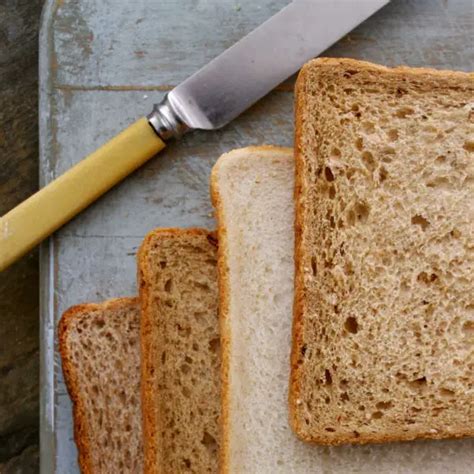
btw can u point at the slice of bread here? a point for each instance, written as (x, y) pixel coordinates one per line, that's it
(99, 346)
(252, 190)
(177, 272)
(383, 343)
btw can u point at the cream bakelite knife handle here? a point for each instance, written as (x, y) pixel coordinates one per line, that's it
(40, 215)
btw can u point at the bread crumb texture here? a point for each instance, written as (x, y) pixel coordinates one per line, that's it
(180, 332)
(384, 316)
(101, 359)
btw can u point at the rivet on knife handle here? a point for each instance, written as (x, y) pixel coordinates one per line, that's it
(36, 218)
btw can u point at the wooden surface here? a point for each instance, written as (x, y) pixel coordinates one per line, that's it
(19, 319)
(103, 64)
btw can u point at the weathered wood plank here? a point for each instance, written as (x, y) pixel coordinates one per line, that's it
(161, 43)
(19, 345)
(108, 62)
(146, 42)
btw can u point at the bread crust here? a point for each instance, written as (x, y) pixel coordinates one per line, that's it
(81, 428)
(223, 285)
(402, 73)
(149, 409)
(224, 300)
(293, 393)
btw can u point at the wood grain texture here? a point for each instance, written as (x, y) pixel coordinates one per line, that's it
(19, 322)
(103, 64)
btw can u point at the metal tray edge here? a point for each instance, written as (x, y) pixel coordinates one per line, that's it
(46, 314)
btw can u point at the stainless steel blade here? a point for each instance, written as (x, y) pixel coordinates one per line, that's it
(244, 73)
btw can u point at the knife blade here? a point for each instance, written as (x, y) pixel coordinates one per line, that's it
(248, 70)
(209, 99)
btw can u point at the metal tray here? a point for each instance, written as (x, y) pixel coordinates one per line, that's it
(103, 63)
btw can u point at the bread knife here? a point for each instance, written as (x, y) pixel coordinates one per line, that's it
(207, 100)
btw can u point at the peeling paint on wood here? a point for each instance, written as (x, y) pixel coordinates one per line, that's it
(104, 64)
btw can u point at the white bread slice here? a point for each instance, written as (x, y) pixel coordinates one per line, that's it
(100, 351)
(252, 190)
(383, 331)
(177, 271)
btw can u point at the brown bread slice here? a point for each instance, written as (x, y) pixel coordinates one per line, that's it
(180, 351)
(383, 324)
(99, 346)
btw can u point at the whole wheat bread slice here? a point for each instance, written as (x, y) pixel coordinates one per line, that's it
(180, 351)
(99, 346)
(383, 333)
